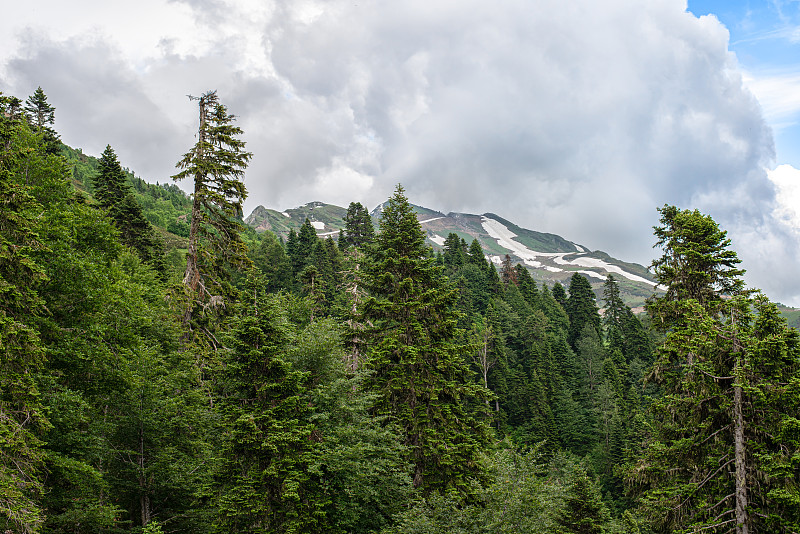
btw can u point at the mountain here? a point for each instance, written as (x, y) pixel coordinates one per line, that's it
(550, 258)
(326, 218)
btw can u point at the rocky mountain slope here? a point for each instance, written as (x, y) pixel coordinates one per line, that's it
(548, 257)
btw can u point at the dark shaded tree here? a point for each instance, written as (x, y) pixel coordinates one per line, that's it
(581, 308)
(115, 195)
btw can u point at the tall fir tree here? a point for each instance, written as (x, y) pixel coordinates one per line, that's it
(581, 308)
(41, 116)
(417, 362)
(726, 366)
(263, 481)
(216, 163)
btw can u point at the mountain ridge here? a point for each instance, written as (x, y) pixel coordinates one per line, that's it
(549, 257)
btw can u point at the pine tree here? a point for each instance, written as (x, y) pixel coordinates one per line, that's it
(216, 163)
(419, 368)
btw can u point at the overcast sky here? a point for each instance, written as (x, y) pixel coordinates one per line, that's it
(575, 117)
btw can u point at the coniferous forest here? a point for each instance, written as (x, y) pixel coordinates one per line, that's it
(165, 369)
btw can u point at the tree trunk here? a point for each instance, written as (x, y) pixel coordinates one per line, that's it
(191, 278)
(742, 518)
(739, 451)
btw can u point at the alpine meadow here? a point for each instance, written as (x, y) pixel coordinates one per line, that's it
(168, 365)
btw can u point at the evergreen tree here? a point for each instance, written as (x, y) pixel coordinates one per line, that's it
(475, 254)
(527, 286)
(271, 258)
(115, 195)
(418, 365)
(560, 295)
(263, 479)
(696, 264)
(216, 163)
(454, 255)
(624, 331)
(21, 353)
(300, 246)
(507, 272)
(39, 111)
(581, 308)
(584, 511)
(725, 366)
(358, 230)
(41, 115)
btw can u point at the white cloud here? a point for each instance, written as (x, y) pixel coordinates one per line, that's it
(779, 95)
(787, 183)
(577, 118)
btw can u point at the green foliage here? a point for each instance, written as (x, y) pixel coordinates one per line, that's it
(358, 230)
(22, 418)
(524, 494)
(115, 195)
(41, 115)
(696, 264)
(581, 308)
(263, 482)
(417, 363)
(216, 163)
(724, 366)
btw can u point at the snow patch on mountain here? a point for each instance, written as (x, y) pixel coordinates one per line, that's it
(318, 225)
(429, 220)
(436, 238)
(505, 238)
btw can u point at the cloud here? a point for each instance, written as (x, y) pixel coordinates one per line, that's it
(99, 100)
(578, 118)
(779, 95)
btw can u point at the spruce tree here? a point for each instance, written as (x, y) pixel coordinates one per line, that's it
(216, 163)
(115, 195)
(417, 361)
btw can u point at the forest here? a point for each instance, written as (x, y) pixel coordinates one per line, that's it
(165, 369)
